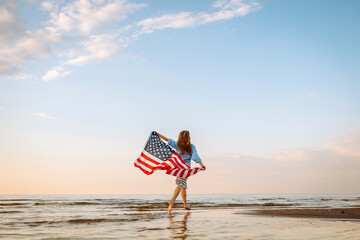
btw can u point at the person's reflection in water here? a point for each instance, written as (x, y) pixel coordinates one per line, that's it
(178, 228)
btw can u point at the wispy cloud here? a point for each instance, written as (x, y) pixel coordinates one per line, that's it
(83, 16)
(291, 155)
(93, 49)
(228, 10)
(83, 24)
(103, 46)
(332, 167)
(44, 115)
(22, 76)
(18, 46)
(31, 44)
(55, 73)
(97, 47)
(219, 3)
(346, 146)
(11, 25)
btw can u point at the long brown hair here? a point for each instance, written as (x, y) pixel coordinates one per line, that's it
(184, 144)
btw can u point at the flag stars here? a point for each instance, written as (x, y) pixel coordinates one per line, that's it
(158, 148)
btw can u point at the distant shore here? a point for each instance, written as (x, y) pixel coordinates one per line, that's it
(338, 213)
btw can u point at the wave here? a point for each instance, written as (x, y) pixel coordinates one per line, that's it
(66, 203)
(44, 203)
(98, 220)
(5, 212)
(144, 205)
(341, 199)
(13, 204)
(20, 199)
(75, 221)
(161, 206)
(38, 223)
(350, 199)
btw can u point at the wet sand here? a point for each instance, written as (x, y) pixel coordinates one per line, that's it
(299, 217)
(336, 213)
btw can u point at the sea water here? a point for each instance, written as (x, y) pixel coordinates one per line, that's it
(146, 217)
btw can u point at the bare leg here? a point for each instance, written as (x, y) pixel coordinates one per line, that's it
(175, 195)
(183, 195)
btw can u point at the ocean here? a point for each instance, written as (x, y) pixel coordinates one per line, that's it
(145, 217)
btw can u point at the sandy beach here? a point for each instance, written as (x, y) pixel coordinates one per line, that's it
(335, 213)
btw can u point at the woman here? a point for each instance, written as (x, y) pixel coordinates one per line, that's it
(187, 151)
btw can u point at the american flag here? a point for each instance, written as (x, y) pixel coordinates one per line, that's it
(159, 155)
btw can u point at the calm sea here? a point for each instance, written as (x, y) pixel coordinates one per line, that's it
(145, 217)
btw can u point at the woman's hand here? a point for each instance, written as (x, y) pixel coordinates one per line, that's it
(162, 137)
(202, 165)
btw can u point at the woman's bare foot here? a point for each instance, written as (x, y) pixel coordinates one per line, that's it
(186, 207)
(170, 207)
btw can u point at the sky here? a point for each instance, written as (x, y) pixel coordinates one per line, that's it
(268, 89)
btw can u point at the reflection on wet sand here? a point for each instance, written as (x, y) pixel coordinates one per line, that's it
(178, 228)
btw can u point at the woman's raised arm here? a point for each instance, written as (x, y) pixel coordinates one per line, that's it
(163, 137)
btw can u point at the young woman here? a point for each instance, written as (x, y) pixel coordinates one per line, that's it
(187, 151)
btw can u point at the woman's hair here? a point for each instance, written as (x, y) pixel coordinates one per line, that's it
(184, 144)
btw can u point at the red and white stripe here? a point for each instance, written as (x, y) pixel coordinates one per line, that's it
(174, 166)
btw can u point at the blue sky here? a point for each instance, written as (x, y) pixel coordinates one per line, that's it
(259, 84)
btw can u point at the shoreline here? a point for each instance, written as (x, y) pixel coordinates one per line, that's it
(333, 213)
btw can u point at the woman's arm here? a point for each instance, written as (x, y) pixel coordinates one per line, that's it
(163, 137)
(202, 165)
(196, 158)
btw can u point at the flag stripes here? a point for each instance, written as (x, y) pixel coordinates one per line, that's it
(166, 159)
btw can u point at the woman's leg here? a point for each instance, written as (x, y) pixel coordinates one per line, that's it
(183, 195)
(175, 195)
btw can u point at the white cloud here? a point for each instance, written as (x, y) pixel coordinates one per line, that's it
(22, 76)
(347, 144)
(70, 52)
(11, 23)
(219, 3)
(47, 5)
(229, 9)
(16, 46)
(55, 73)
(331, 167)
(30, 45)
(11, 26)
(44, 115)
(97, 47)
(179, 20)
(291, 155)
(39, 42)
(83, 16)
(74, 16)
(2, 107)
(322, 172)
